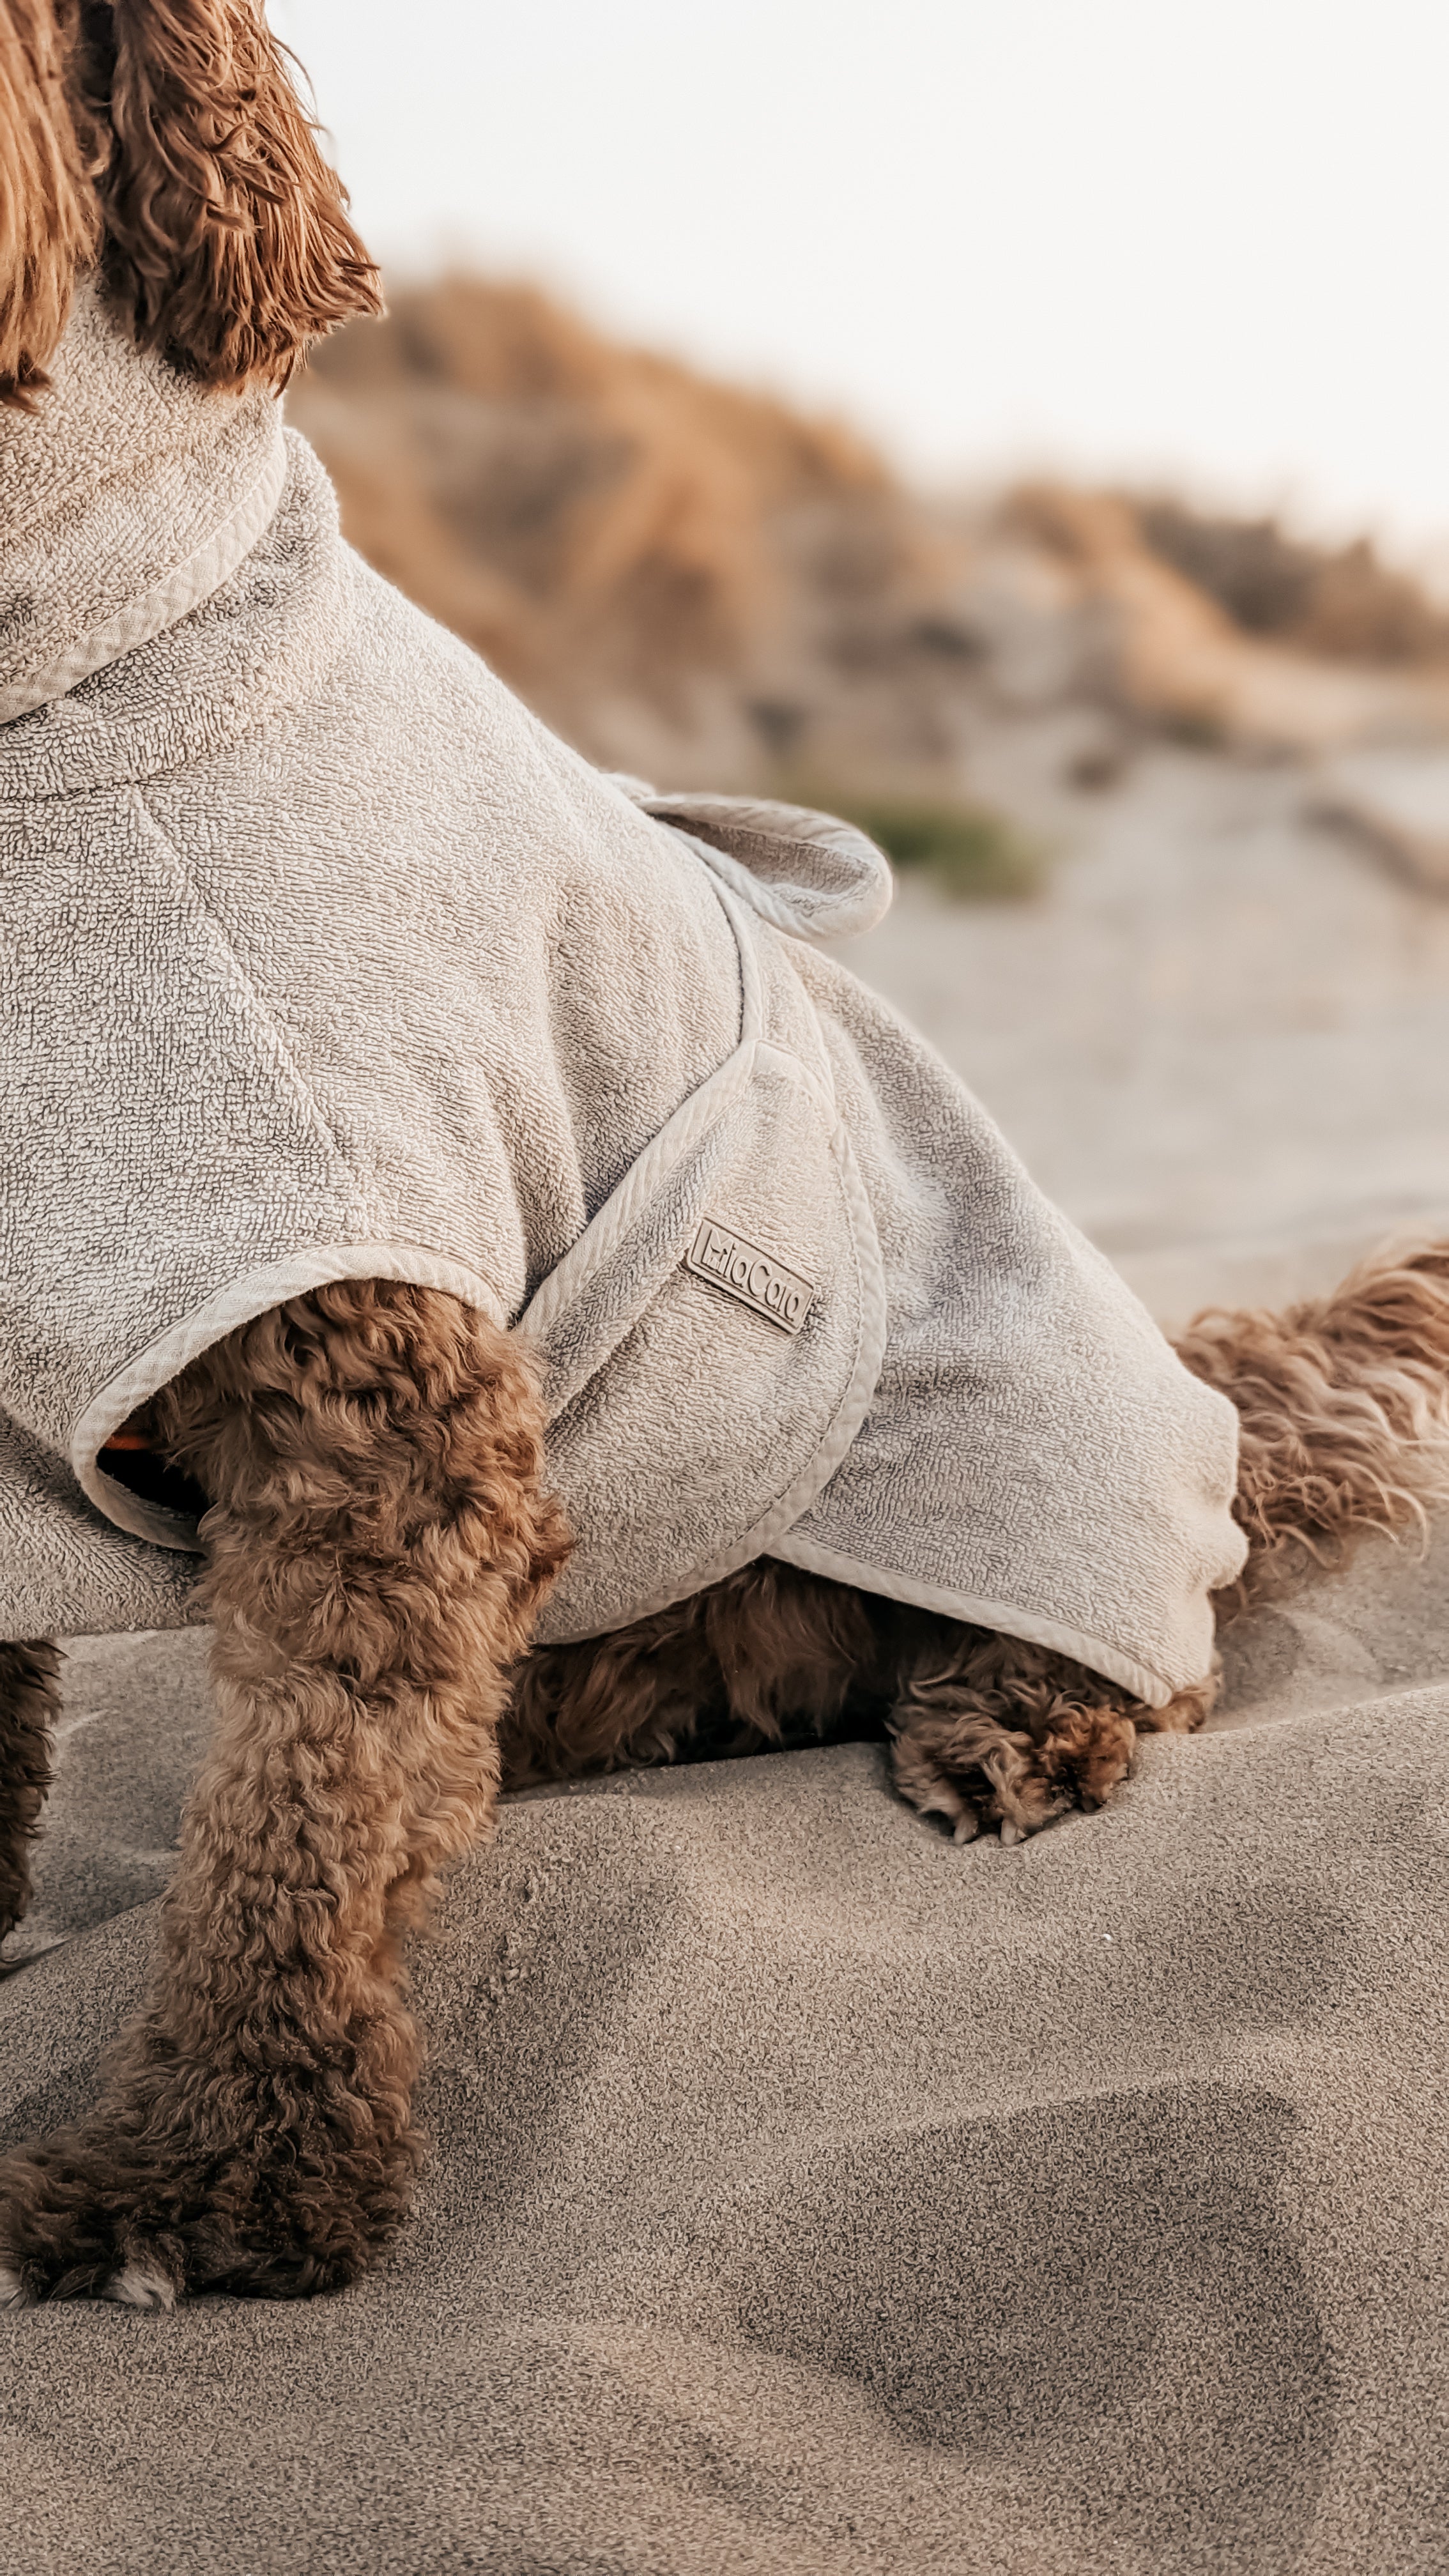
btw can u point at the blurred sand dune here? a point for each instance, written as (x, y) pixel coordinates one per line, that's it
(693, 579)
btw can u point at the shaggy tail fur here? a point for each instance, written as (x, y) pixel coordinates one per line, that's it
(1343, 1406)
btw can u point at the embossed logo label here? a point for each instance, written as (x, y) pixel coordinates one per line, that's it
(724, 1258)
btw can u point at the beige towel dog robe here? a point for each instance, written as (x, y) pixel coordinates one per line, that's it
(322, 959)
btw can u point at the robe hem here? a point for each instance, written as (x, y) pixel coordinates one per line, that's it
(240, 1303)
(1002, 1616)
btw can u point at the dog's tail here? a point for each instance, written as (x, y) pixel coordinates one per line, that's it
(1343, 1403)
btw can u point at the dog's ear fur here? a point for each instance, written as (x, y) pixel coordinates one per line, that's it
(226, 240)
(49, 220)
(166, 138)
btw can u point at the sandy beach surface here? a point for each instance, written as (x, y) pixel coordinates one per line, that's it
(1220, 1040)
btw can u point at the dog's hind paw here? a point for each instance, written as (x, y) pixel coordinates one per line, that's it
(976, 1773)
(975, 1777)
(13, 2292)
(933, 1792)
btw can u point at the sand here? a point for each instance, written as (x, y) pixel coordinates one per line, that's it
(809, 2194)
(1221, 1041)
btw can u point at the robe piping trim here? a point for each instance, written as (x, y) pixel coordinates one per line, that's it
(165, 604)
(240, 1303)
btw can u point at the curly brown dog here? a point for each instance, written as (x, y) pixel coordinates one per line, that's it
(370, 1456)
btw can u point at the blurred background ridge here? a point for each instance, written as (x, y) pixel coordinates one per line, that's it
(695, 578)
(1191, 771)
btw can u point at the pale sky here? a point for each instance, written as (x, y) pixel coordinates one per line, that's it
(1128, 237)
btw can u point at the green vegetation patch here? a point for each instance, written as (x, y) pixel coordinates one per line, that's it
(975, 854)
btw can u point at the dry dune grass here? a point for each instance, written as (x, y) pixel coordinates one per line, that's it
(693, 580)
(605, 525)
(1335, 603)
(1228, 630)
(1343, 602)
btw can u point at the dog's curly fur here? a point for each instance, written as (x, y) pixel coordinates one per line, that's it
(29, 1707)
(1343, 1408)
(379, 1533)
(378, 1540)
(164, 140)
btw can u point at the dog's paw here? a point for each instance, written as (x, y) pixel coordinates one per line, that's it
(84, 2219)
(1088, 1751)
(57, 2245)
(977, 1774)
(139, 2286)
(974, 1786)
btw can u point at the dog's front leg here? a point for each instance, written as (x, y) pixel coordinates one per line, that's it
(377, 1542)
(29, 1704)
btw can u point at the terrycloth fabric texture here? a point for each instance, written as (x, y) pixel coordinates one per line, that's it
(808, 873)
(325, 960)
(107, 537)
(810, 2197)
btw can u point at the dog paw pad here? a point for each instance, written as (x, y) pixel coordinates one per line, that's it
(13, 2293)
